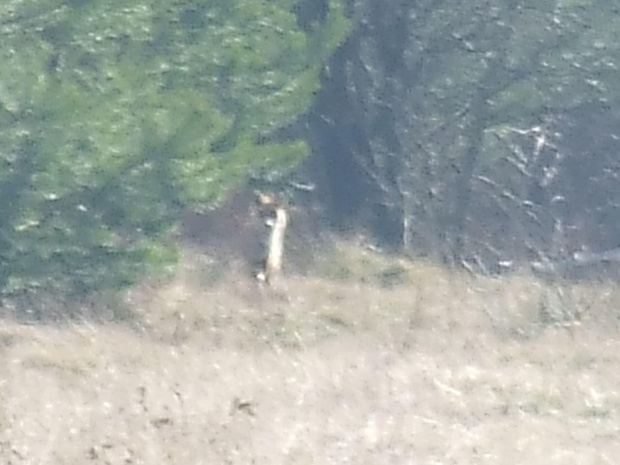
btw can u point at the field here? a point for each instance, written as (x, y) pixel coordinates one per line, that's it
(373, 360)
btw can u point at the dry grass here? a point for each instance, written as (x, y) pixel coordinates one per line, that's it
(385, 362)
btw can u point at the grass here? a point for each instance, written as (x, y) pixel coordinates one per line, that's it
(373, 359)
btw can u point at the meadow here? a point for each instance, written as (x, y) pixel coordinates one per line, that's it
(370, 359)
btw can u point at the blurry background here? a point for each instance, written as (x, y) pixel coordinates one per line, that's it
(449, 293)
(478, 134)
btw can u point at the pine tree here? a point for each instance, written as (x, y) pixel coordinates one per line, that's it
(115, 115)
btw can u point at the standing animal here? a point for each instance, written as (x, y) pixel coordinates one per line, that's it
(277, 221)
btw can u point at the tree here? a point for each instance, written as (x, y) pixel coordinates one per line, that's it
(115, 115)
(457, 117)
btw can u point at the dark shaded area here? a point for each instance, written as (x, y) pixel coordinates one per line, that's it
(344, 123)
(480, 185)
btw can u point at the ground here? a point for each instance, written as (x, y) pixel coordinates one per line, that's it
(351, 366)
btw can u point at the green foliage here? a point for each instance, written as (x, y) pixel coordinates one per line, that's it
(114, 115)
